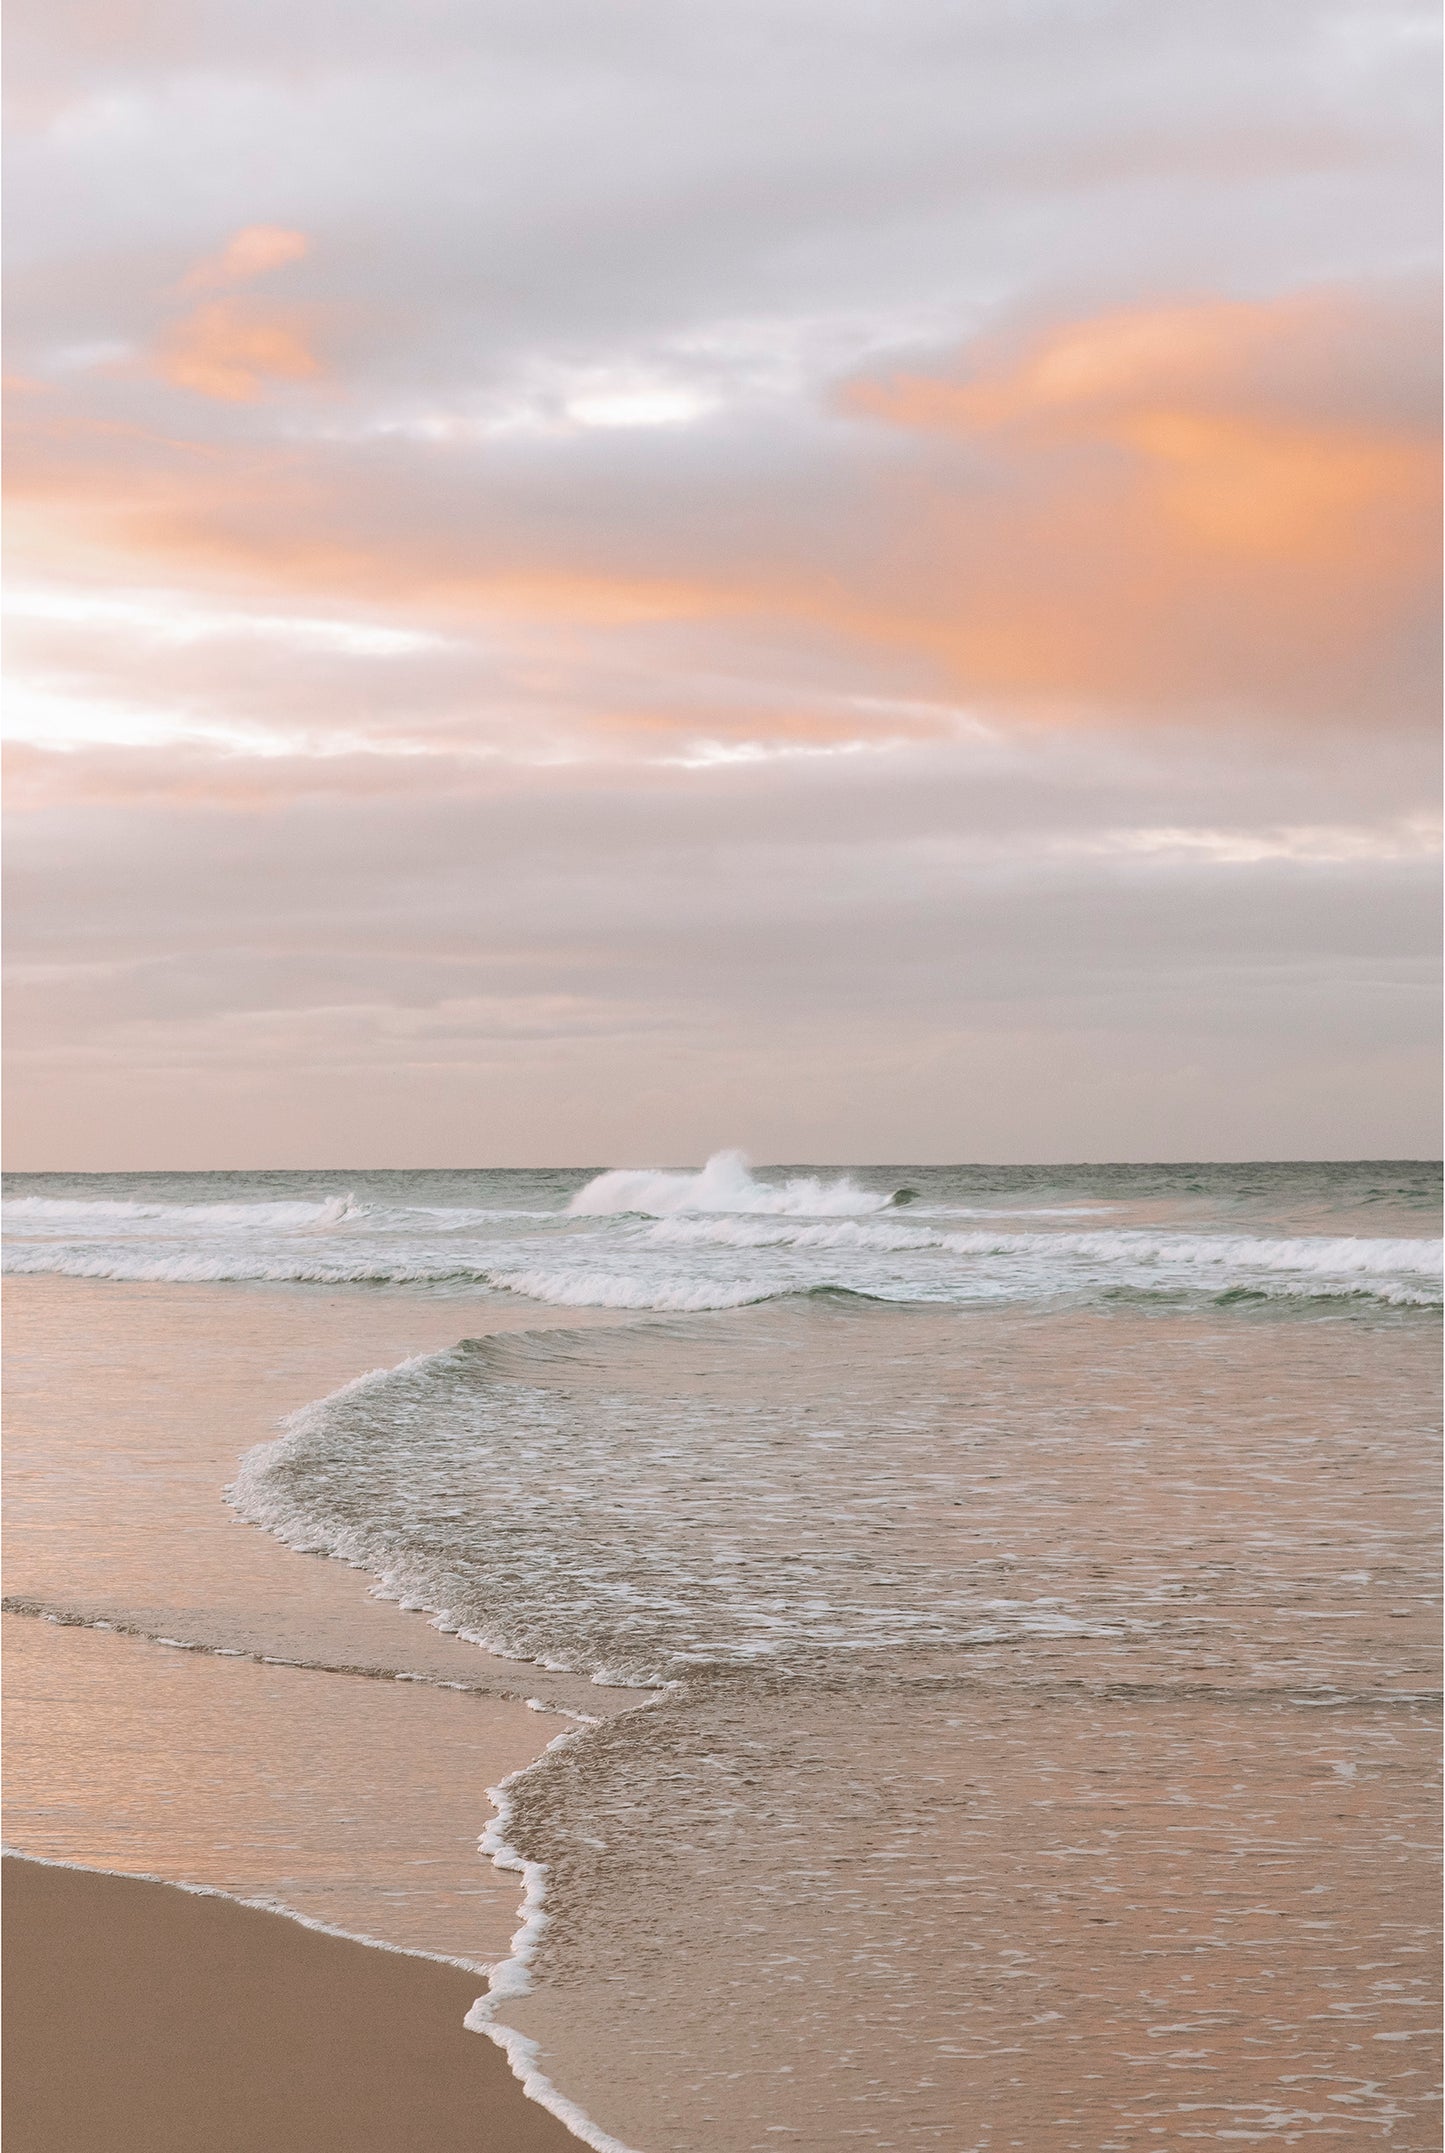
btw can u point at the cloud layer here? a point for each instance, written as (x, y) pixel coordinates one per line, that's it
(589, 585)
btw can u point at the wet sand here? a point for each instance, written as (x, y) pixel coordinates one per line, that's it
(144, 2017)
(278, 1756)
(128, 1408)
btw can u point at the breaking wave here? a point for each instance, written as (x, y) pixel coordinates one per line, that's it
(1322, 1253)
(239, 1267)
(74, 1214)
(714, 1239)
(604, 1289)
(724, 1184)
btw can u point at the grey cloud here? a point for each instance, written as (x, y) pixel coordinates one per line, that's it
(511, 181)
(860, 890)
(408, 955)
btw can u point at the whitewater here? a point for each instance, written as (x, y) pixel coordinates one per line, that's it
(722, 1237)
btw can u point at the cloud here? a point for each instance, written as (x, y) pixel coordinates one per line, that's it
(855, 564)
(1153, 511)
(940, 944)
(1168, 504)
(232, 351)
(249, 253)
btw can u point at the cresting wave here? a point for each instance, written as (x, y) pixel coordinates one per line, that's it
(71, 1215)
(722, 1237)
(603, 1289)
(672, 1266)
(69, 1212)
(724, 1184)
(1323, 1253)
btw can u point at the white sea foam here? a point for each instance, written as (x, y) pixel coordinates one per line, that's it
(666, 1242)
(805, 1509)
(512, 1976)
(1339, 1255)
(768, 1233)
(606, 1289)
(82, 1216)
(238, 1265)
(884, 1262)
(77, 1213)
(724, 1184)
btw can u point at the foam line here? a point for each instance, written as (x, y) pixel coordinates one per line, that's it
(512, 1977)
(610, 1289)
(1340, 1255)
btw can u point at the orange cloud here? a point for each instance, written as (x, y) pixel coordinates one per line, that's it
(1183, 503)
(249, 253)
(228, 348)
(1221, 507)
(107, 502)
(230, 351)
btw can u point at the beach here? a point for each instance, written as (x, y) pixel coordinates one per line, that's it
(294, 1739)
(951, 1671)
(722, 1232)
(145, 2019)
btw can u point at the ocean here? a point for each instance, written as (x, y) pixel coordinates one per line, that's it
(989, 1614)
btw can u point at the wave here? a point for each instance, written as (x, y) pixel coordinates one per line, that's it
(1336, 1255)
(675, 1258)
(603, 1289)
(1028, 1267)
(1317, 1290)
(237, 1267)
(846, 1234)
(75, 1213)
(54, 1218)
(608, 1289)
(724, 1184)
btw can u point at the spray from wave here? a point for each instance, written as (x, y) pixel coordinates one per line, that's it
(725, 1184)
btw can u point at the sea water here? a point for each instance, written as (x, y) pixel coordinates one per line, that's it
(1025, 1576)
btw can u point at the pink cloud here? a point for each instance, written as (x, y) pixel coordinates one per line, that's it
(249, 253)
(231, 351)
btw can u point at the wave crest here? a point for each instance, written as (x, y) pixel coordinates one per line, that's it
(609, 1289)
(725, 1184)
(1324, 1254)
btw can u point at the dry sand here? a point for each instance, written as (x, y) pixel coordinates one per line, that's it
(145, 2019)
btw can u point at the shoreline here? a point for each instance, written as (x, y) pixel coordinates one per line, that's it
(1229, 1847)
(170, 1603)
(151, 2017)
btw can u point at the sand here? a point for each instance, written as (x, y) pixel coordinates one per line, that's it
(143, 2017)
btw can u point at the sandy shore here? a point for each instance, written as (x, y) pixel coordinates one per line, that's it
(143, 2017)
(128, 1408)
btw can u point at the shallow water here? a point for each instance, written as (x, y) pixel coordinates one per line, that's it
(297, 1740)
(1036, 1575)
(977, 1628)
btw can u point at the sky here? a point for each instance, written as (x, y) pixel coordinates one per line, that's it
(590, 582)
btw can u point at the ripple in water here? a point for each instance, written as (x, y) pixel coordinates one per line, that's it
(1041, 1736)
